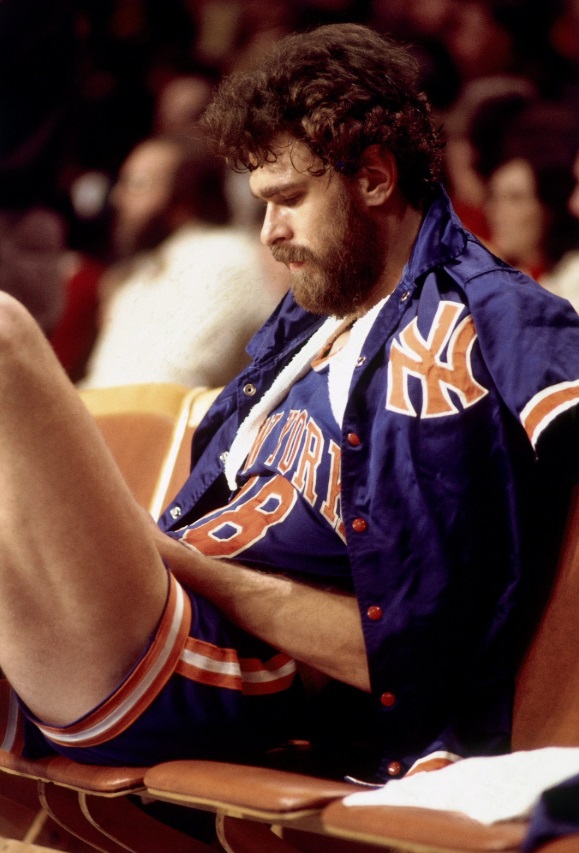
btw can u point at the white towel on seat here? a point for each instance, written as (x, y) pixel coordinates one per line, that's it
(487, 789)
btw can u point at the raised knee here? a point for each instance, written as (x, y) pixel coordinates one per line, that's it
(19, 331)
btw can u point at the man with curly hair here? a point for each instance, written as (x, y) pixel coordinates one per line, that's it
(374, 503)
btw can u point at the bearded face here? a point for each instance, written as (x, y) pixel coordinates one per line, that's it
(337, 277)
(321, 226)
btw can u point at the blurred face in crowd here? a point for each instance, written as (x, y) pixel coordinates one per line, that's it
(515, 215)
(180, 104)
(319, 228)
(479, 44)
(142, 197)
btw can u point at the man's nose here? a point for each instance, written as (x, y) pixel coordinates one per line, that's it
(275, 226)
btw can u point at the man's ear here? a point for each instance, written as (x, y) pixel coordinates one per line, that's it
(378, 175)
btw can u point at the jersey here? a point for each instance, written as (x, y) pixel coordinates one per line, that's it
(285, 515)
(456, 457)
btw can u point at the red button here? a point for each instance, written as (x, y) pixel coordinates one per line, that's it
(353, 439)
(394, 768)
(374, 613)
(388, 699)
(359, 525)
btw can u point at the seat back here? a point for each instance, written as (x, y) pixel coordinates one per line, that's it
(148, 428)
(546, 711)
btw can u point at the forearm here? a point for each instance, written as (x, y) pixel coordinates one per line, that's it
(317, 627)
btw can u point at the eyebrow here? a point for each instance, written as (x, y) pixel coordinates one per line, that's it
(274, 189)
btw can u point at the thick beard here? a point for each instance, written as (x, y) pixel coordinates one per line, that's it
(339, 281)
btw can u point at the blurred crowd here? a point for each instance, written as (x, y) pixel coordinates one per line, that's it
(139, 255)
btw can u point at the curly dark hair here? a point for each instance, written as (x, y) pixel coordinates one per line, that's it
(337, 89)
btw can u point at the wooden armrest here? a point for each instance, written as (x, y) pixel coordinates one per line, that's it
(239, 790)
(420, 830)
(90, 802)
(89, 778)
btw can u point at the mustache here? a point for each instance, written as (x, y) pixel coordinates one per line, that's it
(291, 254)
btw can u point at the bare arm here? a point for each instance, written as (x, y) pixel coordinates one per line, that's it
(319, 628)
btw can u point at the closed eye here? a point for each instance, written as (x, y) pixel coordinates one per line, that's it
(289, 201)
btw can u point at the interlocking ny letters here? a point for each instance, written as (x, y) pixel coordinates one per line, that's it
(412, 355)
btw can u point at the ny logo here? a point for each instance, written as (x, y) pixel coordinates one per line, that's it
(414, 356)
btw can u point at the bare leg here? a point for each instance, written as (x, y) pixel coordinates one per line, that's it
(81, 583)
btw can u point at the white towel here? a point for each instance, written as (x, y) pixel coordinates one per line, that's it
(488, 789)
(249, 428)
(341, 369)
(344, 362)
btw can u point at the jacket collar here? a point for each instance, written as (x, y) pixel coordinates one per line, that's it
(442, 237)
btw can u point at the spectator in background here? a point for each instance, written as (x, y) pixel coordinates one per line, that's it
(424, 26)
(74, 335)
(526, 221)
(528, 191)
(38, 70)
(180, 102)
(564, 278)
(31, 251)
(187, 291)
(127, 48)
(475, 127)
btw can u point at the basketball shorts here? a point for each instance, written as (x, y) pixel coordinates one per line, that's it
(202, 689)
